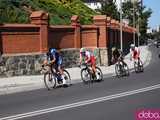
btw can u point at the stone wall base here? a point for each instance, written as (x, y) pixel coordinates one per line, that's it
(31, 64)
(104, 56)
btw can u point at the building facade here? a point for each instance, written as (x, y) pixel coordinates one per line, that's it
(93, 4)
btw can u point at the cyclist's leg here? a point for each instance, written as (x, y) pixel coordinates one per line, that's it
(134, 61)
(59, 63)
(93, 63)
(58, 75)
(122, 60)
(119, 64)
(137, 59)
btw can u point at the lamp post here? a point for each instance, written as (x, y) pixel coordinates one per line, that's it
(134, 21)
(137, 26)
(121, 34)
(138, 29)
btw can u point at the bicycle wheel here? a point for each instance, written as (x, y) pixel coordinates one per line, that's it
(67, 77)
(99, 73)
(49, 80)
(141, 69)
(136, 67)
(126, 68)
(85, 75)
(117, 70)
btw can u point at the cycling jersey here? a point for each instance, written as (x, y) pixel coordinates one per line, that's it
(87, 55)
(56, 56)
(115, 55)
(135, 53)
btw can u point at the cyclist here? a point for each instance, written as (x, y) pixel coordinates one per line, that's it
(134, 52)
(88, 57)
(55, 60)
(117, 56)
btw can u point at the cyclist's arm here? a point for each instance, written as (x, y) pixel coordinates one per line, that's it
(138, 51)
(46, 59)
(53, 59)
(113, 57)
(120, 55)
(88, 57)
(87, 60)
(131, 54)
(80, 58)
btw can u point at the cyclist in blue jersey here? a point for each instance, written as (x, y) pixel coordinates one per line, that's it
(55, 59)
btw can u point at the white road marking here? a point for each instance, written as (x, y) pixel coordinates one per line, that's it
(81, 103)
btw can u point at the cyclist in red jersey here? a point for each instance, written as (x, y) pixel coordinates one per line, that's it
(134, 52)
(88, 58)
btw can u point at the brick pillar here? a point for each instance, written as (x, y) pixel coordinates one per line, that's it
(41, 18)
(77, 31)
(1, 46)
(101, 22)
(113, 26)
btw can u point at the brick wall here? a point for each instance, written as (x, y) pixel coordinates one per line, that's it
(89, 36)
(61, 37)
(39, 36)
(19, 39)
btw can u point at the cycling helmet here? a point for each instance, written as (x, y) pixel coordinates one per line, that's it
(113, 48)
(132, 46)
(52, 50)
(82, 50)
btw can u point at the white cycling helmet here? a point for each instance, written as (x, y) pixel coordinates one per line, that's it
(82, 50)
(132, 46)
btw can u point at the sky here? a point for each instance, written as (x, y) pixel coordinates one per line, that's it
(154, 20)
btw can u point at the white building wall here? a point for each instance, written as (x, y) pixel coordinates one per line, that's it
(94, 5)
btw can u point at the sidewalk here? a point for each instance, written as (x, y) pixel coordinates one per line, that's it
(27, 83)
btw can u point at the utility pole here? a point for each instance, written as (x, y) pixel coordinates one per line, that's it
(121, 33)
(138, 29)
(134, 21)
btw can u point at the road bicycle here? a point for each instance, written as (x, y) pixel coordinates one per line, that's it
(52, 78)
(87, 74)
(121, 68)
(138, 65)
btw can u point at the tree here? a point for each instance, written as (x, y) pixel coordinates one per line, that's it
(156, 34)
(109, 8)
(144, 24)
(141, 15)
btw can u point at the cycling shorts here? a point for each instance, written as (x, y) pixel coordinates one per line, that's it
(92, 60)
(135, 55)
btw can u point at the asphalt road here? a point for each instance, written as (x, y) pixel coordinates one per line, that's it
(112, 99)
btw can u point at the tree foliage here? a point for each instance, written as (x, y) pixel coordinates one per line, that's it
(60, 11)
(109, 8)
(141, 14)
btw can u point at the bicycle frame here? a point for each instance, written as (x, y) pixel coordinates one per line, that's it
(123, 68)
(53, 70)
(138, 65)
(137, 61)
(88, 68)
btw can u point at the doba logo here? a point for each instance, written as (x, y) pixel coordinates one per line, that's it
(148, 114)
